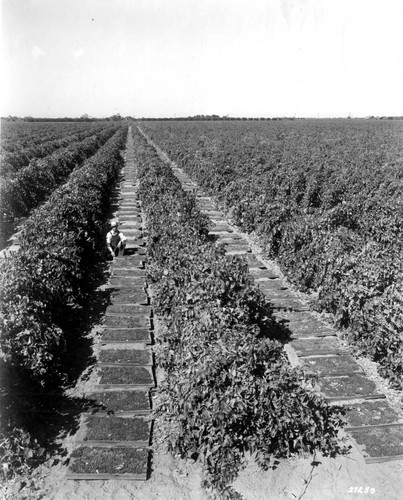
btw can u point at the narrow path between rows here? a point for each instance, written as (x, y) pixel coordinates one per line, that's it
(113, 441)
(373, 424)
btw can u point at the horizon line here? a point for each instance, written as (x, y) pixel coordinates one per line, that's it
(199, 116)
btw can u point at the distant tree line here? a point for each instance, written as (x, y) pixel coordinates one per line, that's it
(212, 118)
(245, 118)
(82, 118)
(118, 117)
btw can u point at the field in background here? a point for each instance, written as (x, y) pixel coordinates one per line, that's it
(38, 157)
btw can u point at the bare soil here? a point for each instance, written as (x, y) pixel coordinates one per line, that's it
(311, 478)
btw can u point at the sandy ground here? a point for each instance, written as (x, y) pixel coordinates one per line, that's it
(176, 479)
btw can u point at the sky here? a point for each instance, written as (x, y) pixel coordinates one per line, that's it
(167, 58)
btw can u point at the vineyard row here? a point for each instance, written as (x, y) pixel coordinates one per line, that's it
(41, 286)
(13, 161)
(18, 136)
(34, 183)
(228, 387)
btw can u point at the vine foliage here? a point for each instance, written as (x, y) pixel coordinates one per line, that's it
(229, 389)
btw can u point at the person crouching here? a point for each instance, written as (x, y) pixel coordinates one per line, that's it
(115, 241)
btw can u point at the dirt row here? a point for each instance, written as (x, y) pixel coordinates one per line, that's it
(113, 441)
